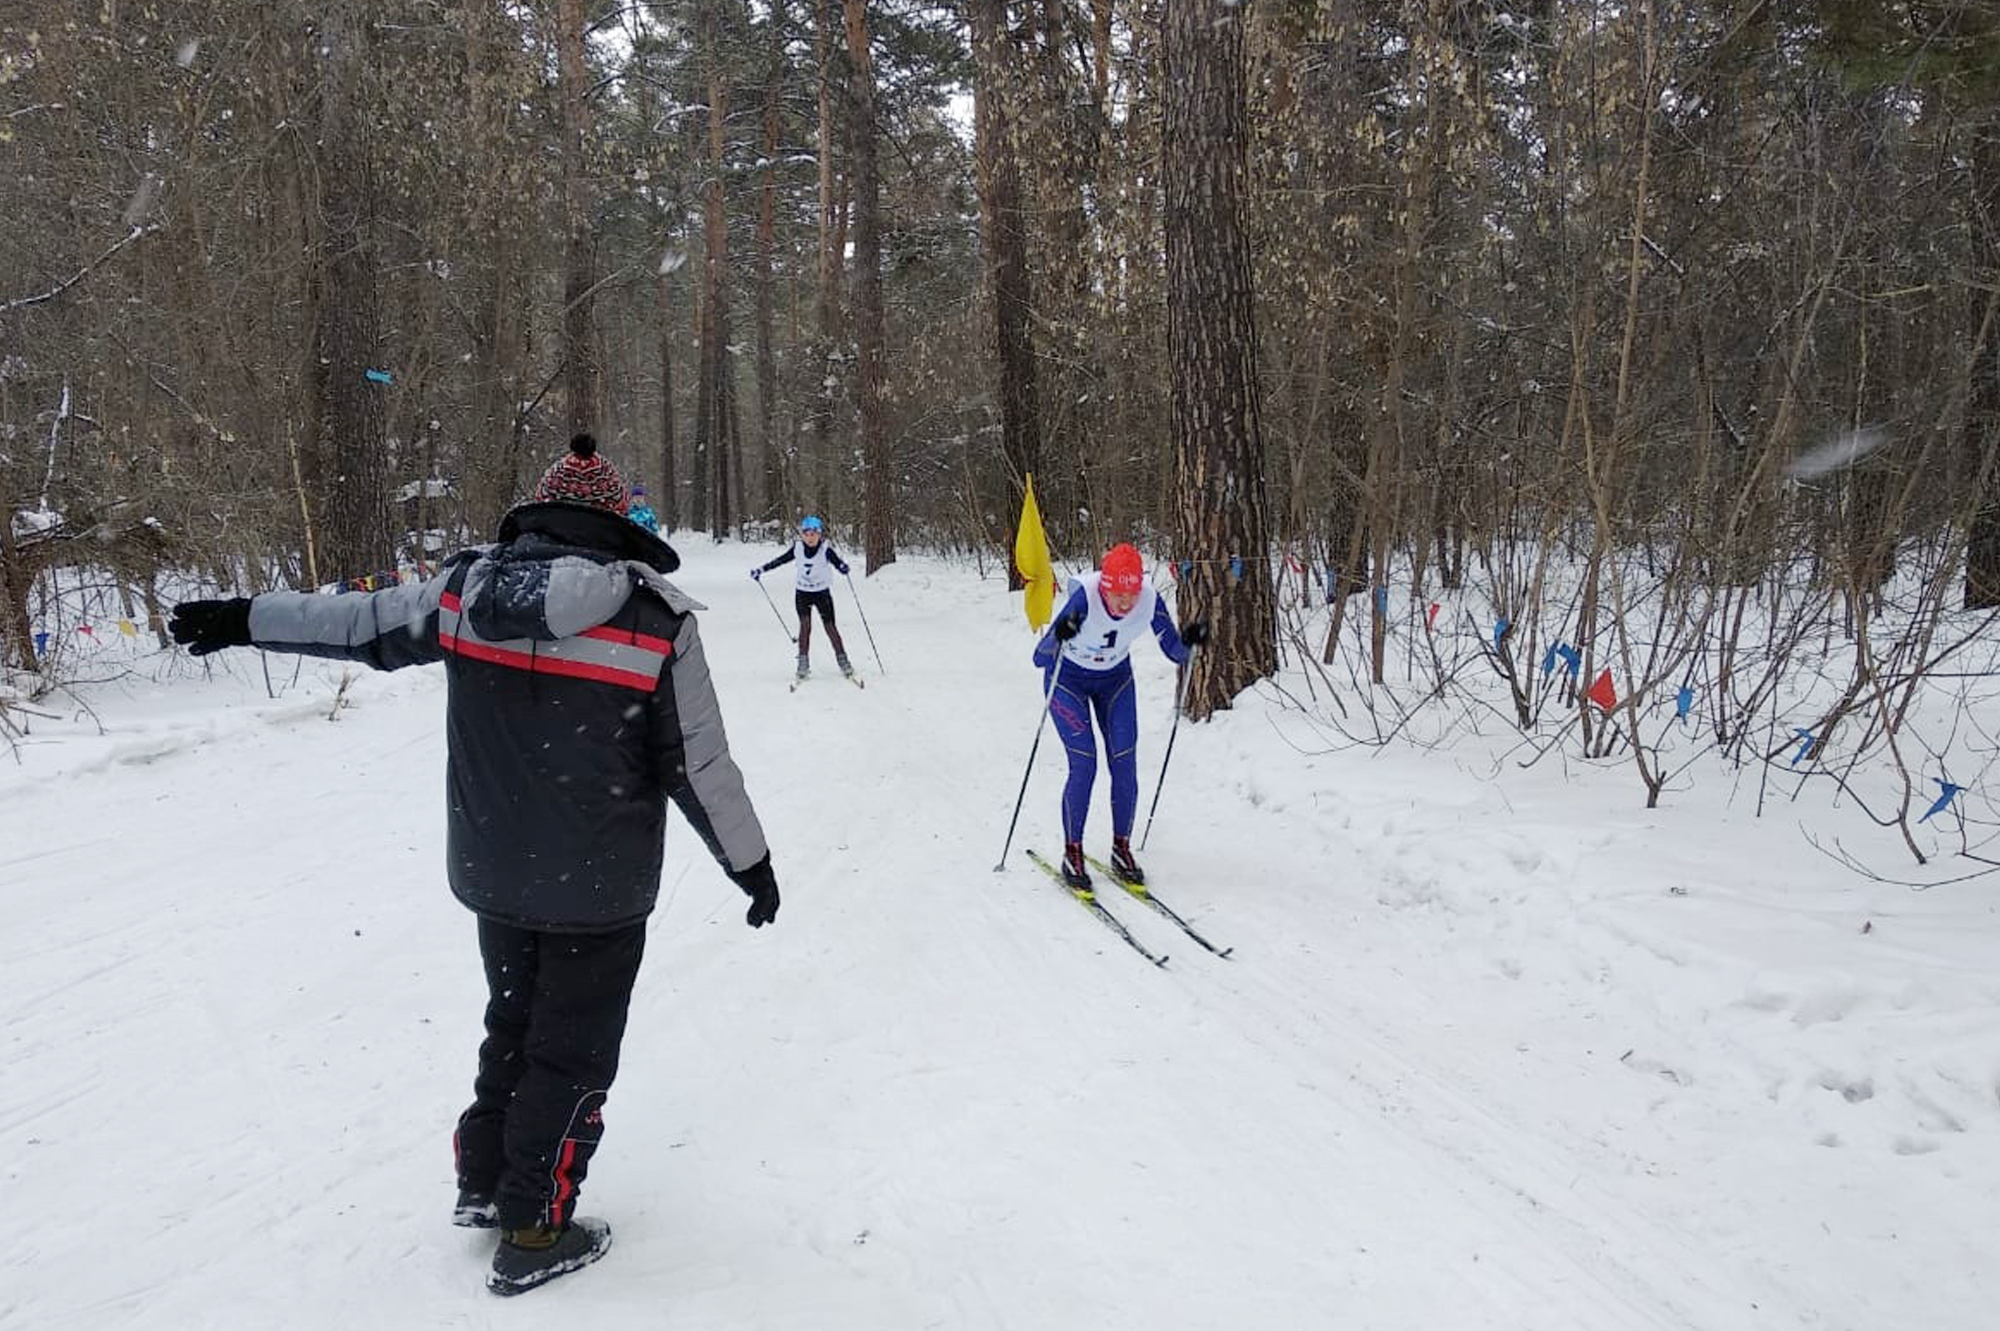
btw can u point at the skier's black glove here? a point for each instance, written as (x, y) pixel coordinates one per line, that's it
(761, 886)
(756, 575)
(1068, 626)
(1195, 634)
(209, 626)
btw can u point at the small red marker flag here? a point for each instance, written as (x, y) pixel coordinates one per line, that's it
(1602, 693)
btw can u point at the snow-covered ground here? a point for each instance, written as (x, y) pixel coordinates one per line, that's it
(1497, 1048)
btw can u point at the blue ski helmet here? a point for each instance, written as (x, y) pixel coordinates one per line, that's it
(811, 522)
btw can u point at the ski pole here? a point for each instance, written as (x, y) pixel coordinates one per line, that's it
(774, 610)
(864, 624)
(1048, 700)
(1180, 705)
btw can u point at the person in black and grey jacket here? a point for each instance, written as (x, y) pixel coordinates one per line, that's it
(579, 703)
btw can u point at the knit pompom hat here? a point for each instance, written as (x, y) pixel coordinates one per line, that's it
(582, 477)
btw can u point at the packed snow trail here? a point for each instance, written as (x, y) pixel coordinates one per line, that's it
(1458, 1073)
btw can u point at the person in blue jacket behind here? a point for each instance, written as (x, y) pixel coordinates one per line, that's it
(642, 512)
(1088, 647)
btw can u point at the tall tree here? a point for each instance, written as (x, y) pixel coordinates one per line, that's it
(579, 328)
(1221, 522)
(1005, 226)
(878, 515)
(350, 481)
(775, 25)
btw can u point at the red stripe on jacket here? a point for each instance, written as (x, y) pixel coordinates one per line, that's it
(603, 632)
(537, 664)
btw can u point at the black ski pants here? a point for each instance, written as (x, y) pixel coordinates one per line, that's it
(805, 603)
(555, 1017)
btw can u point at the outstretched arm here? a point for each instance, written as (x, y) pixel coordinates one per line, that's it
(388, 629)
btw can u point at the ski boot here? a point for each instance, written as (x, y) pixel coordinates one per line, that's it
(805, 668)
(538, 1254)
(845, 668)
(475, 1210)
(1123, 864)
(1074, 875)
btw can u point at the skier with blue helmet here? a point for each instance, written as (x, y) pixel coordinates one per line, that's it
(813, 588)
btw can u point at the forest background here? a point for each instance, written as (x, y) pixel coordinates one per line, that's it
(1661, 329)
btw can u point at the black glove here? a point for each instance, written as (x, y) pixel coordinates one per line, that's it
(757, 574)
(209, 626)
(1195, 633)
(761, 886)
(1068, 626)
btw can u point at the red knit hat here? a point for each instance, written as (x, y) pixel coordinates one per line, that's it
(1122, 572)
(582, 477)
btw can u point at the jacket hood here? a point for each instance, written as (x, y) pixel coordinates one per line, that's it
(561, 568)
(591, 528)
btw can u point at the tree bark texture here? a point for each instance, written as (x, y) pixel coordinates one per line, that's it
(350, 483)
(879, 531)
(997, 162)
(1221, 508)
(580, 358)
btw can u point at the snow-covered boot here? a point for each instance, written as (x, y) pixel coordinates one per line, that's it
(1074, 875)
(845, 668)
(538, 1254)
(475, 1210)
(805, 668)
(1123, 864)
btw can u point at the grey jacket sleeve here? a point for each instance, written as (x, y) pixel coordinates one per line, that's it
(388, 629)
(709, 786)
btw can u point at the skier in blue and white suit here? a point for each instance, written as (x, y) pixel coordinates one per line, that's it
(812, 590)
(1089, 648)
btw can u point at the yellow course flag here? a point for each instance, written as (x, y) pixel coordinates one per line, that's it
(1031, 557)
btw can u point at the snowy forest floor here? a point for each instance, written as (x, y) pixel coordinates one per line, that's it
(1498, 1049)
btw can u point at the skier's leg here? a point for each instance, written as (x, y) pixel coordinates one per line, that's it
(1118, 713)
(802, 602)
(1070, 710)
(833, 631)
(582, 991)
(478, 1146)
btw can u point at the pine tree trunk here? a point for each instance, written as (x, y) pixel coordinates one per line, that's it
(351, 481)
(580, 359)
(879, 533)
(710, 425)
(996, 157)
(17, 630)
(832, 248)
(1982, 556)
(670, 490)
(1221, 509)
(767, 225)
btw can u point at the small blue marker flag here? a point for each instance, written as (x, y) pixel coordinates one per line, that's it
(1500, 629)
(1683, 702)
(1549, 660)
(41, 644)
(1382, 602)
(1572, 658)
(378, 376)
(1806, 742)
(1235, 568)
(1947, 792)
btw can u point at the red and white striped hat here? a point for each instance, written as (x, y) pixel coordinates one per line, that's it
(582, 477)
